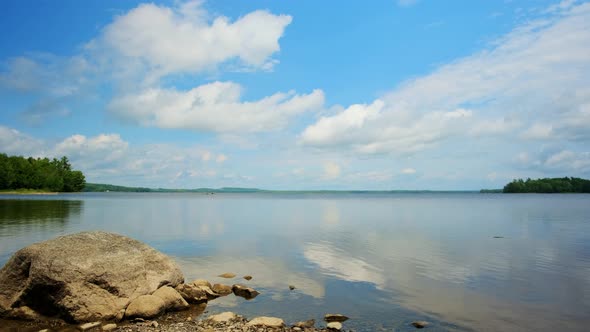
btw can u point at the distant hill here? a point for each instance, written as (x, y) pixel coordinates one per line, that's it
(100, 187)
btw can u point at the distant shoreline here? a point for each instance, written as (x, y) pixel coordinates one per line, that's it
(28, 192)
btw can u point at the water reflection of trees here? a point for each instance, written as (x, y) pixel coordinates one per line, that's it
(15, 212)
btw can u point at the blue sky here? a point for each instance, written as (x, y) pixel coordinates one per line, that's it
(391, 94)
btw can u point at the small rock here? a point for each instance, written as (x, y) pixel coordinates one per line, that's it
(201, 282)
(44, 330)
(248, 277)
(192, 293)
(296, 328)
(222, 289)
(223, 317)
(155, 324)
(88, 326)
(498, 237)
(335, 318)
(172, 299)
(291, 287)
(305, 324)
(227, 275)
(189, 318)
(24, 313)
(208, 292)
(109, 327)
(145, 306)
(244, 291)
(420, 324)
(266, 322)
(334, 326)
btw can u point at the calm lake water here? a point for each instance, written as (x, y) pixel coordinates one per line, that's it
(385, 260)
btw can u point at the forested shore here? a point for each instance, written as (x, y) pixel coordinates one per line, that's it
(18, 173)
(548, 185)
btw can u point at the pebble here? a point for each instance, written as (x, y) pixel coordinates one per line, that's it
(335, 326)
(420, 324)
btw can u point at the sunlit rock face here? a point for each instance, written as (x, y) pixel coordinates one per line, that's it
(84, 277)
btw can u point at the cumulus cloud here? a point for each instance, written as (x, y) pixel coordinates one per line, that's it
(13, 141)
(185, 39)
(214, 107)
(539, 71)
(109, 158)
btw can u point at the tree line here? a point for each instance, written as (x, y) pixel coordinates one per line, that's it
(18, 172)
(547, 185)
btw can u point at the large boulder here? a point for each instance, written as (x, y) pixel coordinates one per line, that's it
(84, 277)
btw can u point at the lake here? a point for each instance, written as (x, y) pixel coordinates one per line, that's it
(463, 262)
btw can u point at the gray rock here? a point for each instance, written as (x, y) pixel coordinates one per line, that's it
(222, 289)
(337, 326)
(84, 277)
(244, 291)
(335, 318)
(145, 306)
(192, 293)
(172, 299)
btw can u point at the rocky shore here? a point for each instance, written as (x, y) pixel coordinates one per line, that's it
(97, 281)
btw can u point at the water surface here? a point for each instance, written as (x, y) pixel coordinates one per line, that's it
(382, 259)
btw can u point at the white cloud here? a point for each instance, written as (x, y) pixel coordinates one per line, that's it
(109, 158)
(331, 170)
(214, 107)
(408, 171)
(187, 39)
(538, 131)
(540, 71)
(13, 141)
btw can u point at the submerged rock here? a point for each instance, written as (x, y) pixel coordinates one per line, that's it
(420, 324)
(84, 277)
(244, 291)
(291, 287)
(222, 289)
(335, 318)
(227, 275)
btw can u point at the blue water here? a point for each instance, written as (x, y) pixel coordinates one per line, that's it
(382, 259)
